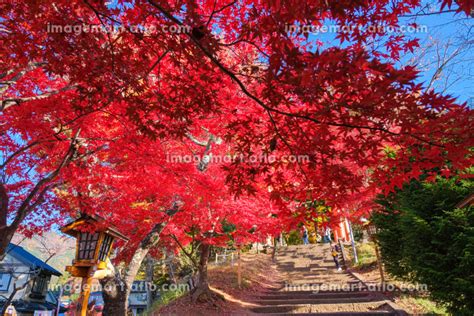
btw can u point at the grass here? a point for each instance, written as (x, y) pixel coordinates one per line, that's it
(165, 298)
(421, 305)
(367, 259)
(366, 254)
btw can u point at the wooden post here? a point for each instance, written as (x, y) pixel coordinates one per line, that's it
(239, 270)
(379, 263)
(83, 301)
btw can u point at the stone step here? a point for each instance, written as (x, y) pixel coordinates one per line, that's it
(291, 281)
(309, 274)
(298, 281)
(371, 313)
(318, 268)
(311, 285)
(322, 308)
(311, 294)
(313, 301)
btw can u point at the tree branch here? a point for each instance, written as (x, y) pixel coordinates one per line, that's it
(188, 254)
(25, 208)
(265, 106)
(7, 103)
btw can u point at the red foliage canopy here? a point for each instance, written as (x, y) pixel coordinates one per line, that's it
(92, 109)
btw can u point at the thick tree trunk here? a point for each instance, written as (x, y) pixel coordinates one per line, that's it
(150, 271)
(274, 252)
(203, 260)
(202, 292)
(6, 235)
(117, 288)
(115, 293)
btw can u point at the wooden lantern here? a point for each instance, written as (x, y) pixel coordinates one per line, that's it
(93, 249)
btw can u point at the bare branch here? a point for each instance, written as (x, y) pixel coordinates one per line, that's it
(6, 103)
(197, 141)
(26, 207)
(249, 94)
(188, 254)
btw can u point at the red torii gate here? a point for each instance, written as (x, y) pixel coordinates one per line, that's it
(341, 230)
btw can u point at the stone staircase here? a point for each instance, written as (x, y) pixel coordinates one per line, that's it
(312, 285)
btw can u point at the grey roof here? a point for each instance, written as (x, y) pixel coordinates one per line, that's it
(30, 260)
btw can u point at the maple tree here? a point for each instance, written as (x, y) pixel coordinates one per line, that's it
(167, 204)
(88, 117)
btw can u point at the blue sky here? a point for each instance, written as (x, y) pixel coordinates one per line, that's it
(455, 31)
(441, 36)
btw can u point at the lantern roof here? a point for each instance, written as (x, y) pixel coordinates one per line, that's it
(71, 228)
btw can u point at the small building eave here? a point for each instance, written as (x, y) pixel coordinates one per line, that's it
(30, 260)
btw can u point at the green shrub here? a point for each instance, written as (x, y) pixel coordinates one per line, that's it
(166, 297)
(424, 238)
(294, 238)
(366, 254)
(358, 232)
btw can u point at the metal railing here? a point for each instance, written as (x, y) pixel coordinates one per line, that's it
(225, 258)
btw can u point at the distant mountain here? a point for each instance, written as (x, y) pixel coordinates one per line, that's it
(55, 248)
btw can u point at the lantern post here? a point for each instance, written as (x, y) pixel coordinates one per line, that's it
(93, 250)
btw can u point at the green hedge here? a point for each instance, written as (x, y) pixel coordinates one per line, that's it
(424, 238)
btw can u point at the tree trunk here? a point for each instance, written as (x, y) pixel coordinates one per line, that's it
(115, 293)
(117, 288)
(274, 252)
(203, 260)
(6, 235)
(149, 281)
(202, 292)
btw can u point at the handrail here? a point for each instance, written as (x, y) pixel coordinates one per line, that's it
(232, 255)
